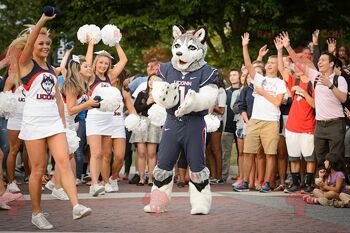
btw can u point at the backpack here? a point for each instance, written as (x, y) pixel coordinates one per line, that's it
(346, 104)
(309, 86)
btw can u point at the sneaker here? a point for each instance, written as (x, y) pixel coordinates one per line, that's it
(50, 185)
(265, 188)
(78, 182)
(213, 181)
(237, 183)
(80, 211)
(307, 189)
(114, 184)
(96, 189)
(60, 194)
(221, 181)
(13, 188)
(291, 189)
(41, 222)
(135, 179)
(109, 188)
(325, 202)
(8, 197)
(26, 180)
(242, 188)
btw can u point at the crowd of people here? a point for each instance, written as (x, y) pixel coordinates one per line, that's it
(286, 118)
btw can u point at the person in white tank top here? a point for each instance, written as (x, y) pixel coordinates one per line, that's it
(99, 125)
(43, 120)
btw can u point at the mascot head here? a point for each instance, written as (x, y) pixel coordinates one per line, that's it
(189, 49)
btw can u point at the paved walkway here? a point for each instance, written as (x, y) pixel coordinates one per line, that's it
(231, 212)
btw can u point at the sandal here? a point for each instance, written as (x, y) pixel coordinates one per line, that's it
(280, 187)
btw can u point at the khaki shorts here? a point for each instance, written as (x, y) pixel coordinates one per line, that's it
(265, 133)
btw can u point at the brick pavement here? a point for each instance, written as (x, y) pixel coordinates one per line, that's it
(231, 212)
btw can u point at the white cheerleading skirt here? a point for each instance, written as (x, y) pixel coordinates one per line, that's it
(37, 127)
(100, 124)
(119, 127)
(15, 122)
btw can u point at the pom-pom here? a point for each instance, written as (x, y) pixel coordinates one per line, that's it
(111, 98)
(73, 140)
(157, 115)
(69, 45)
(212, 122)
(8, 101)
(132, 122)
(90, 30)
(50, 11)
(110, 35)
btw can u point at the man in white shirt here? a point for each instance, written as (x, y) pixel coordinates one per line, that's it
(263, 127)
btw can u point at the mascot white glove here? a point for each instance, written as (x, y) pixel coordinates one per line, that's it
(198, 101)
(165, 94)
(212, 122)
(157, 115)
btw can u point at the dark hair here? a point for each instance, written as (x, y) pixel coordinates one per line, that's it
(220, 80)
(331, 58)
(347, 52)
(148, 80)
(337, 163)
(237, 70)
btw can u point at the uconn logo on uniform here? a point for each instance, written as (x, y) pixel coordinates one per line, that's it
(116, 112)
(183, 83)
(22, 99)
(47, 85)
(105, 85)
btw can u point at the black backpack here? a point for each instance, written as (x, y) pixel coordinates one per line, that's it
(309, 86)
(346, 104)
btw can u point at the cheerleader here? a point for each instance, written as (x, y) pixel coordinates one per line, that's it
(43, 121)
(13, 128)
(101, 125)
(119, 135)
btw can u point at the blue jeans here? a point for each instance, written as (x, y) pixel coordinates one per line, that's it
(4, 140)
(79, 153)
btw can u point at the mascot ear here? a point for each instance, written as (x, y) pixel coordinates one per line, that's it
(201, 34)
(178, 30)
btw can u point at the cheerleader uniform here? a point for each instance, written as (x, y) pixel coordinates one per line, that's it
(118, 122)
(15, 122)
(70, 123)
(41, 118)
(98, 122)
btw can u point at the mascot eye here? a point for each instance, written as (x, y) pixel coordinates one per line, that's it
(191, 47)
(177, 46)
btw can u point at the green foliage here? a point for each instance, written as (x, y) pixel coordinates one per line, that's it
(146, 25)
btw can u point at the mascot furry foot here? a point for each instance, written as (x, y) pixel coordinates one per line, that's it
(164, 94)
(161, 191)
(200, 200)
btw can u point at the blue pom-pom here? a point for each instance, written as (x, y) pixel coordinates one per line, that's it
(69, 45)
(50, 11)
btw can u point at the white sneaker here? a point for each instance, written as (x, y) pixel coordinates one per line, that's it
(50, 185)
(114, 184)
(60, 194)
(109, 188)
(80, 211)
(96, 189)
(41, 222)
(13, 188)
(78, 182)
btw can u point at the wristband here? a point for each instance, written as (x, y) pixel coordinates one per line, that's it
(331, 86)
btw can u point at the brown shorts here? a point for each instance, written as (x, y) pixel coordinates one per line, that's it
(265, 133)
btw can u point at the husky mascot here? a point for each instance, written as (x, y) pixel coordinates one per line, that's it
(187, 91)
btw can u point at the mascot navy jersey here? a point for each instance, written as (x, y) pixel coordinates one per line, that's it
(192, 80)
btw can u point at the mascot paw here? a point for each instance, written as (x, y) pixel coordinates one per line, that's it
(212, 122)
(188, 105)
(165, 94)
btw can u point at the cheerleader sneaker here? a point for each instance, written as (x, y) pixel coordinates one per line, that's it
(13, 187)
(109, 188)
(114, 184)
(60, 194)
(96, 189)
(80, 211)
(41, 222)
(50, 185)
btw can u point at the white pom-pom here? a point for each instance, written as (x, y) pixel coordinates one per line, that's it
(111, 97)
(8, 102)
(157, 115)
(110, 35)
(73, 140)
(91, 30)
(132, 122)
(82, 33)
(212, 122)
